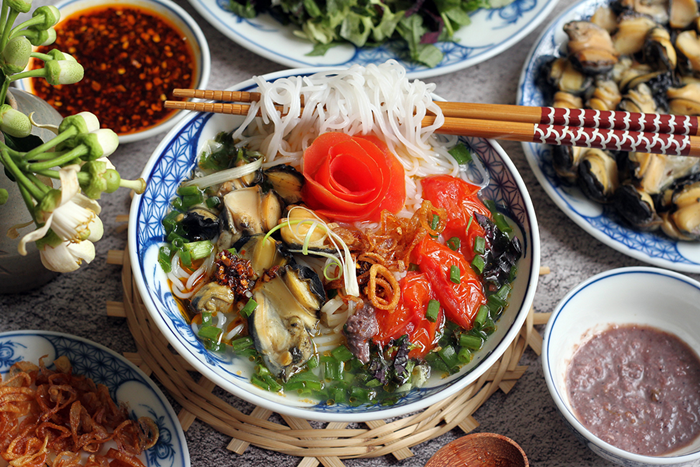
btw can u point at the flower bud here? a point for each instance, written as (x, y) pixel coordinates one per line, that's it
(4, 196)
(22, 6)
(96, 183)
(14, 123)
(100, 143)
(39, 37)
(51, 16)
(82, 123)
(63, 72)
(58, 55)
(16, 55)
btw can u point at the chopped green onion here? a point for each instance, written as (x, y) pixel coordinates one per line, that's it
(461, 154)
(177, 204)
(513, 273)
(294, 386)
(373, 383)
(249, 307)
(478, 264)
(188, 191)
(261, 370)
(454, 243)
(464, 356)
(436, 362)
(185, 258)
(332, 368)
(469, 224)
(214, 346)
(455, 274)
(470, 341)
(232, 251)
(176, 240)
(273, 385)
(339, 394)
(170, 221)
(498, 218)
(341, 353)
(209, 332)
(313, 385)
(249, 352)
(480, 245)
(503, 292)
(435, 222)
(190, 200)
(482, 314)
(304, 376)
(242, 343)
(413, 267)
(213, 202)
(313, 362)
(449, 356)
(206, 319)
(199, 250)
(259, 382)
(165, 254)
(431, 313)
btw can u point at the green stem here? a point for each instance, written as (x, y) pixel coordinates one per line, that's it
(3, 89)
(139, 186)
(60, 160)
(55, 141)
(44, 156)
(29, 202)
(41, 185)
(40, 56)
(19, 176)
(36, 73)
(30, 22)
(11, 17)
(3, 16)
(53, 174)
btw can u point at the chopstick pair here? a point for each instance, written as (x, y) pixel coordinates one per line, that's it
(611, 130)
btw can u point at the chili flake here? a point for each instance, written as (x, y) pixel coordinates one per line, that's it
(133, 59)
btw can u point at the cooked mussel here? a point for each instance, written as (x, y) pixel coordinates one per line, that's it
(653, 173)
(639, 99)
(682, 13)
(606, 18)
(683, 201)
(565, 160)
(659, 51)
(597, 175)
(303, 227)
(248, 212)
(632, 30)
(263, 253)
(655, 9)
(200, 223)
(688, 48)
(213, 298)
(590, 47)
(566, 100)
(281, 325)
(605, 96)
(684, 100)
(286, 181)
(566, 78)
(636, 207)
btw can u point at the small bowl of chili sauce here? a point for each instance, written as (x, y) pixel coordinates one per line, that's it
(620, 358)
(134, 52)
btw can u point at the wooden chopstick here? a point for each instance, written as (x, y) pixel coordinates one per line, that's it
(612, 120)
(562, 135)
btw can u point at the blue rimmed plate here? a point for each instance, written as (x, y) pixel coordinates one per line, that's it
(490, 33)
(598, 220)
(173, 162)
(126, 383)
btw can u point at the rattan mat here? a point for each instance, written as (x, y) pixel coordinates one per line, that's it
(297, 437)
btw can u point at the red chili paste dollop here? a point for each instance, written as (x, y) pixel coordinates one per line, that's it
(637, 388)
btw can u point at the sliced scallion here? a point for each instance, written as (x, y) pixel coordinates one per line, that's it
(455, 274)
(432, 311)
(249, 307)
(454, 243)
(478, 264)
(341, 353)
(222, 176)
(480, 245)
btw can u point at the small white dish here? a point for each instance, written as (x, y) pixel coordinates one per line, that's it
(173, 162)
(178, 18)
(662, 299)
(490, 33)
(126, 383)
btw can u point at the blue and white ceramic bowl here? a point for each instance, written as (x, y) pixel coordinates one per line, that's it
(598, 220)
(173, 162)
(178, 18)
(490, 33)
(126, 383)
(646, 296)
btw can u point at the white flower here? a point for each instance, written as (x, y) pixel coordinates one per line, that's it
(63, 71)
(73, 216)
(67, 257)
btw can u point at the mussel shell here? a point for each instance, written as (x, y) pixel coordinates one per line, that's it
(286, 181)
(659, 51)
(597, 175)
(200, 223)
(565, 160)
(636, 207)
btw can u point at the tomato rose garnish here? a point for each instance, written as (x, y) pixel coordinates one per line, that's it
(352, 178)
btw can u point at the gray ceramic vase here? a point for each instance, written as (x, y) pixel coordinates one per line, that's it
(21, 273)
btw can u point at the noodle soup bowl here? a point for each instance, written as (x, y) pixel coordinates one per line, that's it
(173, 162)
(657, 298)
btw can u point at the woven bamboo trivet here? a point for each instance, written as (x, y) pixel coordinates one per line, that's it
(298, 438)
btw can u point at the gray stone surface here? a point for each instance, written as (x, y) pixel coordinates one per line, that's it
(75, 302)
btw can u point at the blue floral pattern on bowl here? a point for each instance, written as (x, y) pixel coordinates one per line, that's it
(599, 221)
(491, 32)
(125, 382)
(173, 162)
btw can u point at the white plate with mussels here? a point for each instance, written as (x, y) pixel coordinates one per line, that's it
(173, 162)
(604, 221)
